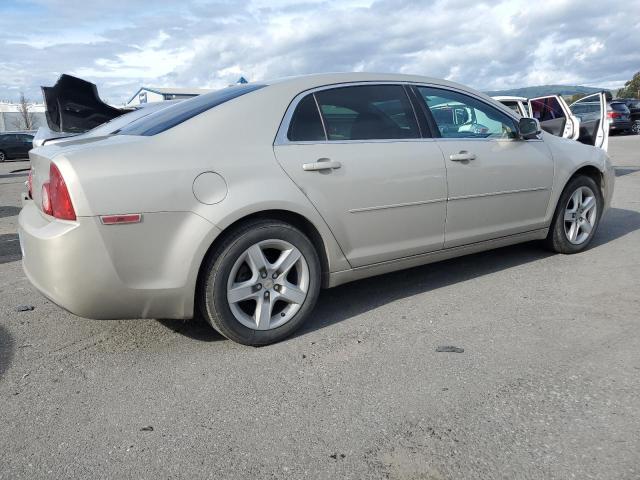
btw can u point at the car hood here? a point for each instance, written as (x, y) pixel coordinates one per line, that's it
(74, 106)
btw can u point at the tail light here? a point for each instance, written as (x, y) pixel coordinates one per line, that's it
(56, 200)
(614, 115)
(30, 183)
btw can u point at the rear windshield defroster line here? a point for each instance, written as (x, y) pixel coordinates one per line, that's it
(169, 117)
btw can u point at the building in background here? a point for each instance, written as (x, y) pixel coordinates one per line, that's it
(149, 94)
(11, 119)
(161, 94)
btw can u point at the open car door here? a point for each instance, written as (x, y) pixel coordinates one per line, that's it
(555, 116)
(594, 127)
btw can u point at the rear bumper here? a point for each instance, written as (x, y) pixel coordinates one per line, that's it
(620, 125)
(115, 272)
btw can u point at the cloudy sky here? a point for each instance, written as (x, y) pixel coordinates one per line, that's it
(123, 44)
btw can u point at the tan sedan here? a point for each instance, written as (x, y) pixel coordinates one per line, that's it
(240, 204)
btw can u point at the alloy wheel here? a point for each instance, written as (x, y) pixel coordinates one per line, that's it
(580, 215)
(2, 157)
(268, 284)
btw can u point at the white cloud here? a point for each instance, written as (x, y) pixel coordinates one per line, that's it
(489, 45)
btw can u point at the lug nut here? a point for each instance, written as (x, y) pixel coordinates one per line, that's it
(276, 288)
(275, 275)
(259, 286)
(266, 294)
(264, 275)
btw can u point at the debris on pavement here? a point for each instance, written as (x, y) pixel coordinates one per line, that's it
(449, 348)
(148, 428)
(25, 308)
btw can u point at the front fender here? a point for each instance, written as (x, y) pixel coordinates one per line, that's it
(571, 156)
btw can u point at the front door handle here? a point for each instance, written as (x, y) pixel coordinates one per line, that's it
(462, 156)
(321, 164)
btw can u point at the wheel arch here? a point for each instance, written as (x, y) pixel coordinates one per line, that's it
(293, 218)
(590, 171)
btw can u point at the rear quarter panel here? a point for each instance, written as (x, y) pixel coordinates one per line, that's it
(137, 174)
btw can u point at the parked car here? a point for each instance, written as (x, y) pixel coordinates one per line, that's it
(552, 112)
(633, 104)
(619, 117)
(284, 187)
(15, 145)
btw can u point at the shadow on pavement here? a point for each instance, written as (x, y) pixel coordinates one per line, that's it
(343, 302)
(621, 171)
(14, 175)
(195, 328)
(617, 222)
(9, 211)
(6, 350)
(9, 248)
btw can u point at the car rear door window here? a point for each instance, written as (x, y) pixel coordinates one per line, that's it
(306, 124)
(367, 112)
(547, 108)
(461, 116)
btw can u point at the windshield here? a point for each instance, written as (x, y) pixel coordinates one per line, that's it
(167, 118)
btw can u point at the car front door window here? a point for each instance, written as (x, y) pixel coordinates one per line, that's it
(460, 116)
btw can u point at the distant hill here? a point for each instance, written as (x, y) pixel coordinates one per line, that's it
(542, 90)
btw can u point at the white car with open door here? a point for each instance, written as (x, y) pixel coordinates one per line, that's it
(560, 119)
(594, 125)
(551, 111)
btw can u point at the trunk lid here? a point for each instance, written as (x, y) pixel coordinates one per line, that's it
(74, 106)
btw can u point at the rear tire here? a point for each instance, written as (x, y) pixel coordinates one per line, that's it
(3, 156)
(577, 216)
(261, 283)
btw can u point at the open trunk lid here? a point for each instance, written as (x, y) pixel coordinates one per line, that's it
(74, 106)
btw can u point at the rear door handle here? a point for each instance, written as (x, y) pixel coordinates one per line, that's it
(321, 164)
(462, 156)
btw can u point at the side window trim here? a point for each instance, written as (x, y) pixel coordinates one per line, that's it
(428, 116)
(324, 125)
(423, 127)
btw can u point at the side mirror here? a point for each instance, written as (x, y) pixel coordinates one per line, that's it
(529, 128)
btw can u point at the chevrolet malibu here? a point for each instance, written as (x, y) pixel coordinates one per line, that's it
(241, 204)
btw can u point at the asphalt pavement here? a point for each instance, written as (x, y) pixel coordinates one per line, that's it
(548, 384)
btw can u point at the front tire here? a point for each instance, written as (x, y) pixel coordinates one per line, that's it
(261, 283)
(3, 156)
(577, 216)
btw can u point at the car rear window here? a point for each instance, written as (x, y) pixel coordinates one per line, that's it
(620, 107)
(169, 117)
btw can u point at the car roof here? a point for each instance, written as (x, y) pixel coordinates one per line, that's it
(321, 79)
(509, 98)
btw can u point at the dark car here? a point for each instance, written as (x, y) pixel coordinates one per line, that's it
(633, 104)
(619, 117)
(15, 145)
